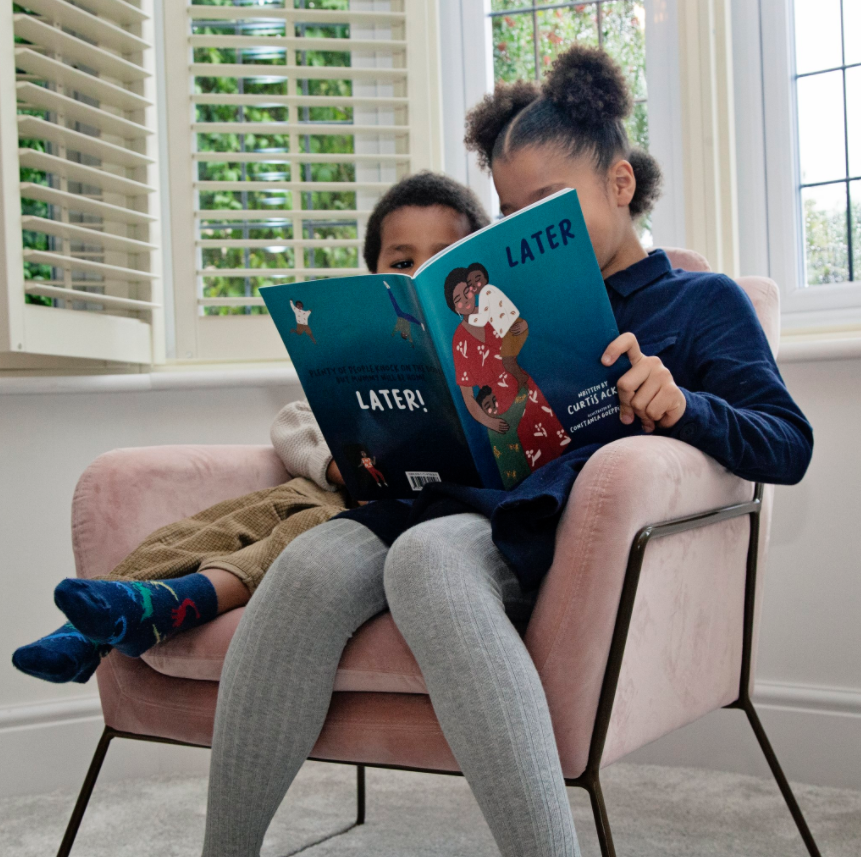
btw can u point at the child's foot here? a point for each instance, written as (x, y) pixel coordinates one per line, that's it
(65, 655)
(133, 617)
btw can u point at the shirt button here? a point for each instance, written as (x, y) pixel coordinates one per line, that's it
(688, 432)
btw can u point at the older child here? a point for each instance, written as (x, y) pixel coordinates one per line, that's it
(459, 569)
(187, 573)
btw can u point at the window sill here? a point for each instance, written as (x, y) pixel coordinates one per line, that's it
(170, 378)
(794, 348)
(812, 347)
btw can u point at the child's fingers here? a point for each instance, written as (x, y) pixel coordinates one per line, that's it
(625, 343)
(673, 414)
(645, 396)
(627, 387)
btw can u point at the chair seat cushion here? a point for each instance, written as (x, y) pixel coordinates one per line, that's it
(376, 658)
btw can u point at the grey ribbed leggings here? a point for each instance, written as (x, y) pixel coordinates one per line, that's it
(448, 589)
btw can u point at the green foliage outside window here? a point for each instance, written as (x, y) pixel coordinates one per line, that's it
(622, 35)
(278, 145)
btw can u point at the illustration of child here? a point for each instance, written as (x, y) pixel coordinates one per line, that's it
(301, 320)
(510, 457)
(495, 308)
(405, 321)
(368, 463)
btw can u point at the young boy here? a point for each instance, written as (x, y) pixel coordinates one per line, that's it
(216, 559)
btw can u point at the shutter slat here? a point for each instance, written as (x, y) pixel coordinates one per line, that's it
(293, 127)
(46, 289)
(378, 187)
(72, 263)
(40, 129)
(85, 204)
(120, 12)
(277, 243)
(88, 25)
(73, 171)
(37, 96)
(280, 272)
(299, 72)
(76, 232)
(297, 101)
(51, 70)
(298, 42)
(266, 214)
(303, 16)
(71, 48)
(299, 158)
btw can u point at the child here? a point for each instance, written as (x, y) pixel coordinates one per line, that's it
(459, 568)
(404, 324)
(511, 460)
(216, 559)
(302, 326)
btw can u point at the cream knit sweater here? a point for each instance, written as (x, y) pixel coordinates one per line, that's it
(300, 445)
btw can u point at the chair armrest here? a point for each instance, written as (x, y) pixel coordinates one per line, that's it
(126, 494)
(624, 487)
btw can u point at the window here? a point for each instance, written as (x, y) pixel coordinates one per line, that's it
(77, 154)
(296, 119)
(828, 92)
(800, 162)
(527, 38)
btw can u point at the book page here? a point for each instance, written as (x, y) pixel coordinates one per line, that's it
(520, 318)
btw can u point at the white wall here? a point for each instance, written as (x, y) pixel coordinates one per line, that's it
(809, 670)
(48, 732)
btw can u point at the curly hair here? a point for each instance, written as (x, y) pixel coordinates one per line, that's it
(580, 107)
(423, 189)
(452, 281)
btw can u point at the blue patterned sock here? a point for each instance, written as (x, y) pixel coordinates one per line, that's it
(65, 655)
(133, 617)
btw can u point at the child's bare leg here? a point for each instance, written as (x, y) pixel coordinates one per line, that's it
(230, 591)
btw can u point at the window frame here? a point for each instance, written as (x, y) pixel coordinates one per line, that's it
(201, 339)
(769, 171)
(468, 76)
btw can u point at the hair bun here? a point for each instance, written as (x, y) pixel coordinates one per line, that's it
(588, 86)
(485, 121)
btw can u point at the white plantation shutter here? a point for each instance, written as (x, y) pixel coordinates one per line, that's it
(287, 120)
(78, 183)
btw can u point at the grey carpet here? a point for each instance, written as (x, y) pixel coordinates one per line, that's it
(671, 812)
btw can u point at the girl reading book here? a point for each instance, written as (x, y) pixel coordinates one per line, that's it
(460, 568)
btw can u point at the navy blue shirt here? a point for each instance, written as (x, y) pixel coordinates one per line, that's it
(705, 330)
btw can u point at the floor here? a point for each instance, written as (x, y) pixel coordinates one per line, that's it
(671, 812)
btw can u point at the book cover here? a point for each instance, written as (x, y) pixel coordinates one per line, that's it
(478, 370)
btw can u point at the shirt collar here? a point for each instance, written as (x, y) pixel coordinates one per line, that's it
(640, 274)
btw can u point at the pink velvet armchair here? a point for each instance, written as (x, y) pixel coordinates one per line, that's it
(646, 621)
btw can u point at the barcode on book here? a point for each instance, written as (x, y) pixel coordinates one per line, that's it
(419, 478)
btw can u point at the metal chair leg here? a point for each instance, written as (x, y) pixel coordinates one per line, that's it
(782, 782)
(360, 794)
(602, 823)
(84, 796)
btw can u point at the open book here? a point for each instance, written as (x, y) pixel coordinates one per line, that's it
(481, 368)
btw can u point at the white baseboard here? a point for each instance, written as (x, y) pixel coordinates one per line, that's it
(49, 746)
(816, 733)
